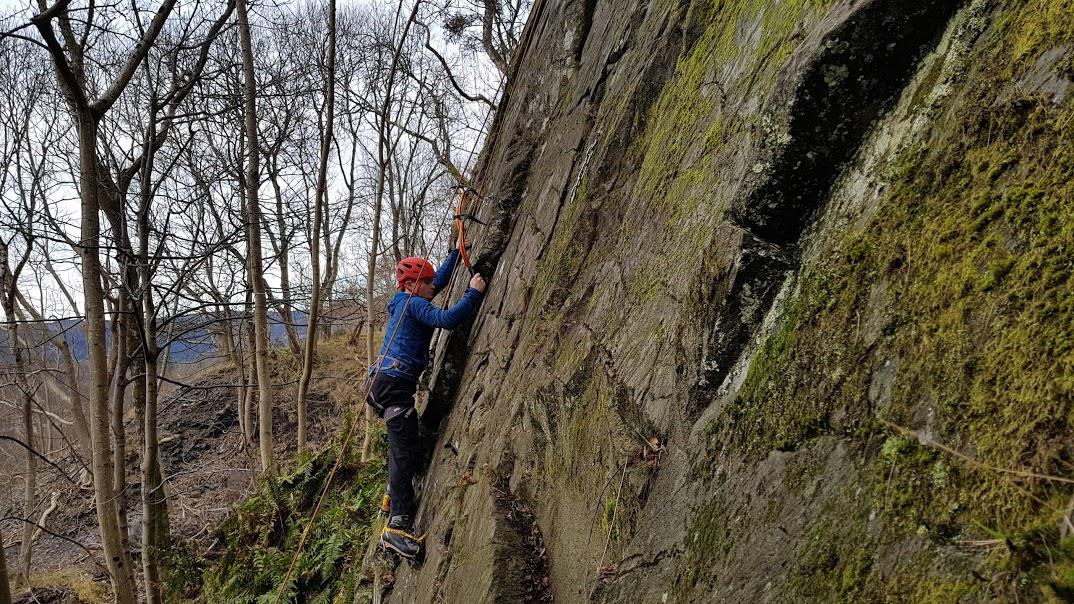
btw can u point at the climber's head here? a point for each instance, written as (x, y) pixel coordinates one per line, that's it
(415, 275)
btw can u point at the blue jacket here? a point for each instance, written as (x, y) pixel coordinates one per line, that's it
(405, 353)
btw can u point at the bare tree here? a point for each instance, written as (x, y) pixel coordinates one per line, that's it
(287, 59)
(254, 257)
(319, 203)
(15, 248)
(99, 192)
(11, 266)
(5, 589)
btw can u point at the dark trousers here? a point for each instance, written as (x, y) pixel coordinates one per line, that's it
(393, 399)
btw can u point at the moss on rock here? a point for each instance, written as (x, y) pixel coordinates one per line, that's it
(974, 240)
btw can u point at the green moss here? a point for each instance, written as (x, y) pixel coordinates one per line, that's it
(588, 460)
(762, 418)
(1037, 26)
(680, 183)
(565, 255)
(708, 543)
(609, 520)
(836, 560)
(944, 591)
(833, 572)
(975, 242)
(913, 488)
(582, 434)
(691, 102)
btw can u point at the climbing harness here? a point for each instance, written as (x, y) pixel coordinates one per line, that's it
(339, 459)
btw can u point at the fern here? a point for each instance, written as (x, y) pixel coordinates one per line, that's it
(262, 538)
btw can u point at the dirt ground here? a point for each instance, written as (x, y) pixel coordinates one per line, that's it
(206, 468)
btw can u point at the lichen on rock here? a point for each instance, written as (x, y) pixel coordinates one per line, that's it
(821, 251)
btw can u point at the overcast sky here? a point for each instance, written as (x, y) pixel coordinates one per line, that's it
(17, 13)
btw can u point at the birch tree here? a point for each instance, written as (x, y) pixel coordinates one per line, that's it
(254, 256)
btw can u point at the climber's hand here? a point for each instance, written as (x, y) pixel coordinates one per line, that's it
(478, 282)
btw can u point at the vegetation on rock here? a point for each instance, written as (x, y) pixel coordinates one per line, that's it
(261, 539)
(948, 313)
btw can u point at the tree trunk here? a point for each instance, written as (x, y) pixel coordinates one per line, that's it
(154, 503)
(74, 394)
(326, 232)
(8, 279)
(367, 440)
(46, 428)
(283, 260)
(233, 343)
(250, 392)
(488, 22)
(121, 344)
(378, 201)
(5, 589)
(97, 360)
(69, 63)
(30, 495)
(253, 259)
(315, 241)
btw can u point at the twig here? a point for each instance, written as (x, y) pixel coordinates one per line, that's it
(981, 542)
(928, 442)
(608, 541)
(41, 457)
(58, 536)
(1067, 528)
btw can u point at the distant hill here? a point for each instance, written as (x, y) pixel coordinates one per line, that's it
(192, 342)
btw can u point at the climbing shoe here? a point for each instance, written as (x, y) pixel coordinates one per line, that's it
(398, 538)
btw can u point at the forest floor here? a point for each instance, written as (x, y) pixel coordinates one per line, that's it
(206, 468)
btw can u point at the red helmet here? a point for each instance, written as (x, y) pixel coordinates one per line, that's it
(413, 268)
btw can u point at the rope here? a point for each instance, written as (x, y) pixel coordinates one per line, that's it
(340, 457)
(461, 243)
(376, 373)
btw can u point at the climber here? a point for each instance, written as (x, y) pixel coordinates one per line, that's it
(393, 380)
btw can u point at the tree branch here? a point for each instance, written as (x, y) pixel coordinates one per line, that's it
(474, 98)
(68, 79)
(40, 456)
(140, 51)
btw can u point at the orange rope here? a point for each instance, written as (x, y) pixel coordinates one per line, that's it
(461, 243)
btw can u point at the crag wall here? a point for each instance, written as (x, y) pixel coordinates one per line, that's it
(822, 250)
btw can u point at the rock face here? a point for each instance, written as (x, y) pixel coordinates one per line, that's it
(781, 310)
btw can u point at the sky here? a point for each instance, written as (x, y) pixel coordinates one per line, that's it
(70, 273)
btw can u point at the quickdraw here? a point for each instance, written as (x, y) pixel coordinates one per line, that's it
(460, 226)
(460, 217)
